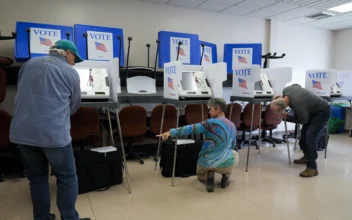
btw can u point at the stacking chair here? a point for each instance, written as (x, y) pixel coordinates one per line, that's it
(247, 120)
(133, 122)
(270, 122)
(8, 151)
(193, 113)
(235, 115)
(85, 127)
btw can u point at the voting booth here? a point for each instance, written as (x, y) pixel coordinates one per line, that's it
(35, 39)
(320, 81)
(176, 46)
(99, 80)
(248, 81)
(99, 43)
(278, 78)
(193, 82)
(344, 78)
(208, 53)
(242, 54)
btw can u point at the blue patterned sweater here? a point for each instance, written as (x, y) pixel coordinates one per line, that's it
(220, 140)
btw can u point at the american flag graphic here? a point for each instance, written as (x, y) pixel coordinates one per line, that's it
(242, 59)
(100, 46)
(170, 83)
(206, 57)
(45, 41)
(316, 84)
(242, 83)
(182, 52)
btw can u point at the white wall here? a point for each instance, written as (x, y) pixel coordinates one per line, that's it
(305, 48)
(343, 48)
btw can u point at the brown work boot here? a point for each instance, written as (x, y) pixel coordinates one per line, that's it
(309, 173)
(303, 160)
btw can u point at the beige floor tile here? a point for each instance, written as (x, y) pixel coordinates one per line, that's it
(271, 190)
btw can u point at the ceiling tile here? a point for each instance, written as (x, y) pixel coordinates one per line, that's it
(226, 2)
(318, 4)
(339, 25)
(210, 6)
(271, 10)
(300, 20)
(186, 3)
(247, 7)
(157, 1)
(295, 13)
(331, 20)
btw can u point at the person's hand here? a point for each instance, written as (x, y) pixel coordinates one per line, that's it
(284, 115)
(164, 136)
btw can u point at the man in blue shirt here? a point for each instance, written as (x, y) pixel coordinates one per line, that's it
(48, 93)
(217, 153)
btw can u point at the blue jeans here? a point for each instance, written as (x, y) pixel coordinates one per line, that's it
(62, 162)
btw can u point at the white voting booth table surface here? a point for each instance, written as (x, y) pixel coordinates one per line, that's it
(112, 68)
(215, 74)
(243, 89)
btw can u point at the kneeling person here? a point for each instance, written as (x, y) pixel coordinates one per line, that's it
(217, 154)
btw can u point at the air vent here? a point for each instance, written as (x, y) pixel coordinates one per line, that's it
(319, 15)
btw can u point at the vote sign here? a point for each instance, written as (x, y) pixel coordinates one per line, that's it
(41, 39)
(172, 77)
(242, 56)
(185, 50)
(100, 45)
(243, 80)
(319, 81)
(207, 55)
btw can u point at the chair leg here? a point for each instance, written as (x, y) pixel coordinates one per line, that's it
(133, 155)
(267, 139)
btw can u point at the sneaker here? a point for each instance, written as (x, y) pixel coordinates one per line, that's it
(309, 173)
(303, 160)
(52, 217)
(84, 218)
(225, 181)
(210, 181)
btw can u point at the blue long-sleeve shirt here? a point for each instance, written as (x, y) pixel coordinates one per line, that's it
(48, 93)
(220, 140)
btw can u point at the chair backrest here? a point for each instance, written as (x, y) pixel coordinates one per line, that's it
(170, 118)
(236, 113)
(3, 84)
(247, 115)
(133, 121)
(5, 120)
(193, 113)
(85, 123)
(271, 118)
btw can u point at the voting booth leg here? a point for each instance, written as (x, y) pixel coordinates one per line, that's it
(288, 144)
(298, 131)
(123, 150)
(159, 141)
(326, 139)
(250, 137)
(175, 151)
(260, 124)
(230, 111)
(110, 129)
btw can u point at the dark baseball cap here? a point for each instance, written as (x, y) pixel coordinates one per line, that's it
(68, 45)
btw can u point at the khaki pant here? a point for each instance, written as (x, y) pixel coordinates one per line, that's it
(202, 172)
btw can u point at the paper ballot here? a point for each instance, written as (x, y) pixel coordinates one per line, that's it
(104, 149)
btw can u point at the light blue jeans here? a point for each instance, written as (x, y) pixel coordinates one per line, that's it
(62, 162)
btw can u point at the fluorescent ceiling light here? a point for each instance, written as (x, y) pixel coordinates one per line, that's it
(342, 8)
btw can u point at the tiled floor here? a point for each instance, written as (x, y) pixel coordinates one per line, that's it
(271, 190)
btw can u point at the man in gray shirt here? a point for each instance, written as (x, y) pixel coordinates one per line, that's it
(48, 93)
(310, 110)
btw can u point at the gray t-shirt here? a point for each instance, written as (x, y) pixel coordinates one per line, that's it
(304, 103)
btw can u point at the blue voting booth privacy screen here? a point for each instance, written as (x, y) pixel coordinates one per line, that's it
(102, 43)
(41, 37)
(189, 52)
(239, 54)
(210, 52)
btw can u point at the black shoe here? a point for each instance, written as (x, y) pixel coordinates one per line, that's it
(85, 219)
(2, 178)
(225, 181)
(210, 181)
(52, 217)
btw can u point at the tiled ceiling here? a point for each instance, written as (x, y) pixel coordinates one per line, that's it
(290, 11)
